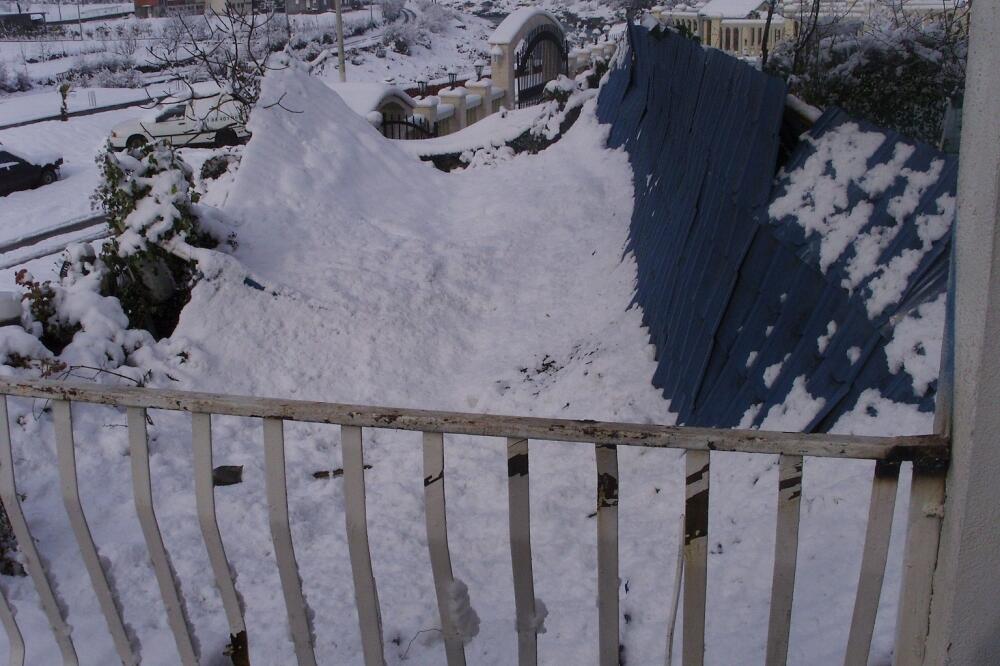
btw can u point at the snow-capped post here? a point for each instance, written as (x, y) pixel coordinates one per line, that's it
(456, 98)
(426, 111)
(483, 89)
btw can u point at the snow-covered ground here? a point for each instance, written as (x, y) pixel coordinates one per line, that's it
(48, 103)
(499, 289)
(78, 141)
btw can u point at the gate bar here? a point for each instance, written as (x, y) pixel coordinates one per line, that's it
(281, 536)
(695, 556)
(437, 542)
(142, 489)
(51, 605)
(204, 488)
(519, 517)
(883, 501)
(365, 590)
(62, 417)
(15, 657)
(786, 548)
(607, 553)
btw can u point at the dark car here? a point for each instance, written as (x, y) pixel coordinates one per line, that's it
(20, 171)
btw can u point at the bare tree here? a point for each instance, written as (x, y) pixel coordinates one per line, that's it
(231, 48)
(767, 33)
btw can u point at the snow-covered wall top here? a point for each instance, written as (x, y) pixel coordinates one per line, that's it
(782, 304)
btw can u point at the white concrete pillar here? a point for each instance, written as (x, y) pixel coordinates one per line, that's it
(455, 97)
(426, 109)
(483, 88)
(502, 71)
(965, 610)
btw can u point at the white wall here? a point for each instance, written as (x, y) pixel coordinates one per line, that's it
(965, 617)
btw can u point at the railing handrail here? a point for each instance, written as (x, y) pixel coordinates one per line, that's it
(929, 451)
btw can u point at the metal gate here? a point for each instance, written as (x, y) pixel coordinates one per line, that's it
(541, 57)
(406, 127)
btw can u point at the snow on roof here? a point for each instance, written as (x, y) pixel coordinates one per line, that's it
(364, 96)
(37, 157)
(510, 26)
(730, 8)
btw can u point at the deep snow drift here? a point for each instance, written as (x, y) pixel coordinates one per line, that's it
(366, 276)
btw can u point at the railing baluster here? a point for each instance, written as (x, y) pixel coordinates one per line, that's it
(786, 548)
(519, 516)
(62, 416)
(923, 534)
(607, 553)
(281, 535)
(437, 542)
(883, 501)
(15, 656)
(32, 560)
(695, 556)
(365, 590)
(142, 490)
(204, 489)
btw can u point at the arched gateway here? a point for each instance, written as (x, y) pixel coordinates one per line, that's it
(528, 51)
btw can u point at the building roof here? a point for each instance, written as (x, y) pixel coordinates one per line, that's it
(730, 8)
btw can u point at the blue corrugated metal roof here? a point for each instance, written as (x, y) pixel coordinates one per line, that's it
(719, 280)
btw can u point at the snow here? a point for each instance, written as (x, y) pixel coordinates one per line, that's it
(494, 130)
(78, 141)
(915, 347)
(364, 275)
(366, 96)
(508, 29)
(29, 106)
(817, 198)
(730, 8)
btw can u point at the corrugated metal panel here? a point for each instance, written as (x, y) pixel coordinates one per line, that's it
(726, 291)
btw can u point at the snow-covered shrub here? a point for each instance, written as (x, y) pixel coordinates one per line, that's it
(402, 37)
(13, 81)
(392, 9)
(897, 75)
(151, 259)
(108, 308)
(435, 18)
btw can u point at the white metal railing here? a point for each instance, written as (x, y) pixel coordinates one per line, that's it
(929, 454)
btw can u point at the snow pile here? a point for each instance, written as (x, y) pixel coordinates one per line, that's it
(367, 276)
(821, 196)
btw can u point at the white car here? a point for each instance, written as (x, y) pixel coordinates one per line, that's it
(211, 120)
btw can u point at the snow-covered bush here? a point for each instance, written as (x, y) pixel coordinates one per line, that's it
(402, 37)
(435, 18)
(392, 9)
(109, 306)
(13, 81)
(151, 260)
(899, 75)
